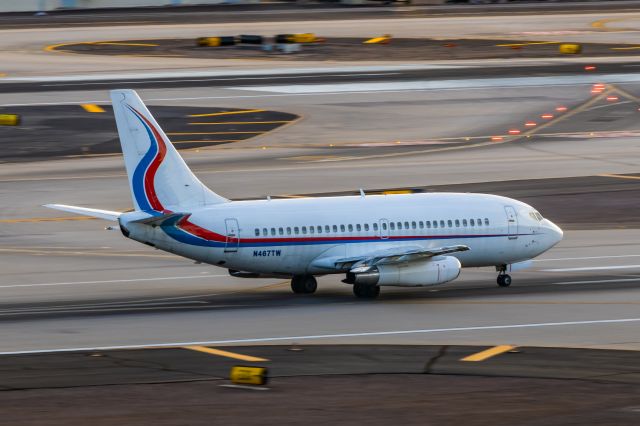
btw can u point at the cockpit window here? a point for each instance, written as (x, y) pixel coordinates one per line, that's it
(535, 215)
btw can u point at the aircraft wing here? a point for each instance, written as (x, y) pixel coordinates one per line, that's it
(100, 214)
(392, 255)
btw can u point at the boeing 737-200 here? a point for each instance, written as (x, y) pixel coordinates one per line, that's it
(373, 240)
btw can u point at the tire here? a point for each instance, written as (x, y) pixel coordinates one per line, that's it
(504, 280)
(362, 291)
(304, 284)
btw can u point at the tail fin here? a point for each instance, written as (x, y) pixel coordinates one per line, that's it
(159, 178)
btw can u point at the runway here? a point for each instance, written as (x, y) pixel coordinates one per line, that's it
(71, 290)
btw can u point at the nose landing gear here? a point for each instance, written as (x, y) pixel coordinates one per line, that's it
(504, 279)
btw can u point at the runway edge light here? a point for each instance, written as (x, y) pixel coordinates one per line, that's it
(247, 375)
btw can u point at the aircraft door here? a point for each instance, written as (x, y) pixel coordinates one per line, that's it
(512, 222)
(233, 236)
(384, 229)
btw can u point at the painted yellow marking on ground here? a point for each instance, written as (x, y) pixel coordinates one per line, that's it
(625, 93)
(227, 354)
(620, 176)
(215, 114)
(118, 43)
(626, 48)
(240, 122)
(489, 353)
(527, 44)
(92, 108)
(602, 24)
(46, 219)
(211, 133)
(376, 40)
(3, 74)
(203, 141)
(397, 191)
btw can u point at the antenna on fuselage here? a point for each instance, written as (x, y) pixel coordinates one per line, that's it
(362, 192)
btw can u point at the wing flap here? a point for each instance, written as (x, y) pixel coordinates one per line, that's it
(394, 255)
(85, 211)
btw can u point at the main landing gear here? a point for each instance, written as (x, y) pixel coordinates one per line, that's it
(364, 291)
(504, 279)
(304, 284)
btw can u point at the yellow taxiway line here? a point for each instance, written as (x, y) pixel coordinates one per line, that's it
(489, 353)
(227, 354)
(620, 176)
(239, 122)
(215, 114)
(45, 219)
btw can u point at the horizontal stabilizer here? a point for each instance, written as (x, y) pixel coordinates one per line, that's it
(100, 214)
(161, 220)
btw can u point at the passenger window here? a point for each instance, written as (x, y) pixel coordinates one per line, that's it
(479, 222)
(288, 230)
(457, 223)
(319, 229)
(366, 226)
(265, 232)
(375, 227)
(413, 225)
(486, 222)
(281, 231)
(450, 223)
(327, 229)
(304, 229)
(273, 231)
(335, 228)
(296, 230)
(399, 225)
(428, 223)
(341, 228)
(435, 223)
(442, 224)
(358, 227)
(471, 222)
(406, 225)
(464, 222)
(421, 224)
(384, 226)
(311, 229)
(257, 232)
(392, 226)
(350, 228)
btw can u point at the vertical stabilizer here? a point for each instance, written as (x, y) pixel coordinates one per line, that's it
(159, 178)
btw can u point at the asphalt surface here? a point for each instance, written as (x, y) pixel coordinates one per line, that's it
(283, 12)
(318, 384)
(52, 131)
(443, 73)
(345, 49)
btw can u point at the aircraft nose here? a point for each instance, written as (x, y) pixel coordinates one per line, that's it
(554, 232)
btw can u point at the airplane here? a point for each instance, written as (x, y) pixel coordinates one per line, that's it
(410, 240)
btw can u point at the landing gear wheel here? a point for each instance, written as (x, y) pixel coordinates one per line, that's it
(304, 284)
(366, 291)
(504, 280)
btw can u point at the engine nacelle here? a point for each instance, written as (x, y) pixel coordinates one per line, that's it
(437, 270)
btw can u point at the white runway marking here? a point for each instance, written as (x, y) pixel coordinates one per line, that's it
(619, 280)
(592, 268)
(586, 258)
(443, 84)
(188, 277)
(328, 336)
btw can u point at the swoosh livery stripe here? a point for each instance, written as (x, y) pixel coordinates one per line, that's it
(145, 172)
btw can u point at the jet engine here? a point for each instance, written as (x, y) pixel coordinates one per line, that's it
(437, 270)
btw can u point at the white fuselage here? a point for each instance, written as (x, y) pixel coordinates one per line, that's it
(297, 236)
